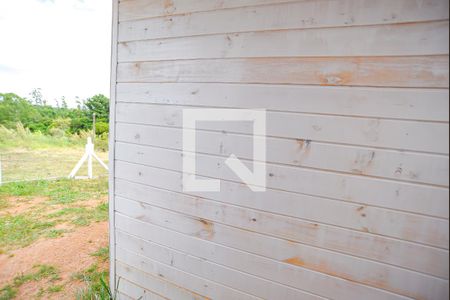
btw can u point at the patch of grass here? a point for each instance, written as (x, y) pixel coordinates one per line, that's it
(55, 289)
(8, 292)
(42, 272)
(95, 280)
(55, 233)
(81, 216)
(102, 254)
(21, 230)
(62, 191)
(4, 204)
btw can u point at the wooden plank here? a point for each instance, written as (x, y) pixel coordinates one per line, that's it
(283, 269)
(398, 165)
(381, 194)
(141, 9)
(197, 286)
(202, 268)
(287, 273)
(343, 266)
(301, 14)
(394, 134)
(192, 204)
(155, 283)
(111, 142)
(412, 71)
(411, 104)
(136, 292)
(335, 239)
(412, 198)
(389, 40)
(122, 296)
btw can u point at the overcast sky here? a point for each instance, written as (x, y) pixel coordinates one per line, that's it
(60, 46)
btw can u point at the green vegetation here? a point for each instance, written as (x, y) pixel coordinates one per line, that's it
(81, 216)
(37, 142)
(55, 289)
(96, 284)
(42, 272)
(21, 230)
(7, 292)
(96, 279)
(102, 254)
(59, 121)
(41, 220)
(58, 191)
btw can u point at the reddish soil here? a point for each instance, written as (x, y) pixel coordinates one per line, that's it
(69, 254)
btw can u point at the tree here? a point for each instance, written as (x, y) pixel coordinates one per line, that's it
(64, 103)
(36, 97)
(14, 109)
(99, 104)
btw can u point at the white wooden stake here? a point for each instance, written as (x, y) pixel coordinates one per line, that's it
(0, 170)
(90, 150)
(88, 156)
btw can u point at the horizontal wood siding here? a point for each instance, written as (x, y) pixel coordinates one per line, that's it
(357, 100)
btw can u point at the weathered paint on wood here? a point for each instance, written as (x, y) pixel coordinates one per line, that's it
(425, 72)
(393, 134)
(212, 167)
(389, 164)
(292, 274)
(143, 9)
(389, 40)
(413, 104)
(355, 243)
(358, 112)
(296, 15)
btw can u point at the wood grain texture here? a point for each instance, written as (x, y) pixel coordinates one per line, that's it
(143, 9)
(111, 141)
(155, 283)
(363, 218)
(263, 289)
(356, 93)
(389, 40)
(214, 168)
(197, 242)
(422, 72)
(196, 285)
(389, 164)
(393, 134)
(384, 103)
(134, 291)
(297, 15)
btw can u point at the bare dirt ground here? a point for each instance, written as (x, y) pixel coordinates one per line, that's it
(69, 254)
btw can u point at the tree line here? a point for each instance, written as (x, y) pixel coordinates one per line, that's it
(36, 115)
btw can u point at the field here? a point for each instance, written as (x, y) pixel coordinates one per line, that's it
(53, 233)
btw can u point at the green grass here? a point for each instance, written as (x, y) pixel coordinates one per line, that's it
(42, 272)
(21, 230)
(102, 254)
(81, 216)
(95, 280)
(3, 203)
(58, 191)
(25, 165)
(55, 289)
(23, 138)
(55, 233)
(7, 292)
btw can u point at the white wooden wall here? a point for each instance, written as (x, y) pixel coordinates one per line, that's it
(358, 149)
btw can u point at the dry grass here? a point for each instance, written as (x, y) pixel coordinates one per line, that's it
(26, 164)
